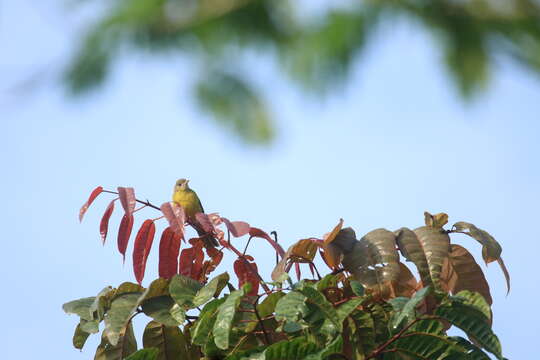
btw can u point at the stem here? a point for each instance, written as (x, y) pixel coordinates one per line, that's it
(147, 203)
(245, 249)
(276, 239)
(382, 348)
(316, 271)
(261, 322)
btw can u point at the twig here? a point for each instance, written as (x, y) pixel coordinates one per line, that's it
(261, 322)
(245, 249)
(147, 203)
(382, 348)
(276, 239)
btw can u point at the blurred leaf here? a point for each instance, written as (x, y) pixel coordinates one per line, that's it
(233, 102)
(237, 228)
(436, 221)
(408, 311)
(291, 307)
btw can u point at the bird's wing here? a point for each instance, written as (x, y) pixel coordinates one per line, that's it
(200, 205)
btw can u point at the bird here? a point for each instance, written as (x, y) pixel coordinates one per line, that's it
(184, 196)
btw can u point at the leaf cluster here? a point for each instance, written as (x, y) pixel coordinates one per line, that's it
(369, 306)
(317, 53)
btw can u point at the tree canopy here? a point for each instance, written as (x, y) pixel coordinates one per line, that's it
(315, 51)
(368, 306)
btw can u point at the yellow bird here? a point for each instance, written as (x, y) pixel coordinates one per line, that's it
(187, 198)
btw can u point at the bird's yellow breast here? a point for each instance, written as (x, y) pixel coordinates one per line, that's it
(188, 200)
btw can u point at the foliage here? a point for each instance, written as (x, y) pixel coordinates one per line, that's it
(317, 53)
(369, 306)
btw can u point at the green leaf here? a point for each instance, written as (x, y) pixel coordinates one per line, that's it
(79, 337)
(425, 345)
(101, 302)
(183, 290)
(365, 331)
(291, 307)
(335, 347)
(160, 309)
(491, 249)
(268, 305)
(225, 315)
(357, 288)
(329, 280)
(122, 307)
(435, 244)
(80, 307)
(409, 309)
(91, 327)
(236, 104)
(169, 341)
(374, 261)
(144, 354)
(205, 323)
(325, 307)
(300, 349)
(473, 322)
(476, 300)
(210, 290)
(412, 250)
(473, 352)
(125, 346)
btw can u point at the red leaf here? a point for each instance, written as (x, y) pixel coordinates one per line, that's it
(298, 272)
(205, 222)
(104, 224)
(215, 218)
(127, 198)
(247, 272)
(255, 232)
(124, 232)
(141, 249)
(169, 248)
(89, 202)
(191, 261)
(176, 217)
(237, 228)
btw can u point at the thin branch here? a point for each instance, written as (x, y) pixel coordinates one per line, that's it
(147, 203)
(276, 239)
(383, 347)
(245, 249)
(266, 339)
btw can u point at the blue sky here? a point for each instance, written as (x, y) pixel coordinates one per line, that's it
(394, 143)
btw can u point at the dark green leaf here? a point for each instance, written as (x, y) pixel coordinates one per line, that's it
(122, 307)
(291, 307)
(79, 337)
(183, 290)
(210, 290)
(125, 346)
(144, 354)
(409, 309)
(159, 308)
(205, 323)
(169, 341)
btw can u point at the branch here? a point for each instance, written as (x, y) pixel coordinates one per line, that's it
(146, 203)
(260, 321)
(383, 347)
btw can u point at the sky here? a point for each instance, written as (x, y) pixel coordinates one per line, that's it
(393, 143)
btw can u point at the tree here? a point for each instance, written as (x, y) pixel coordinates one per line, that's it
(316, 53)
(370, 305)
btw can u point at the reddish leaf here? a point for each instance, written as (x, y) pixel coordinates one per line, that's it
(215, 218)
(191, 261)
(205, 222)
(298, 272)
(141, 249)
(169, 248)
(247, 272)
(89, 202)
(176, 217)
(104, 224)
(255, 232)
(215, 254)
(127, 198)
(237, 228)
(124, 232)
